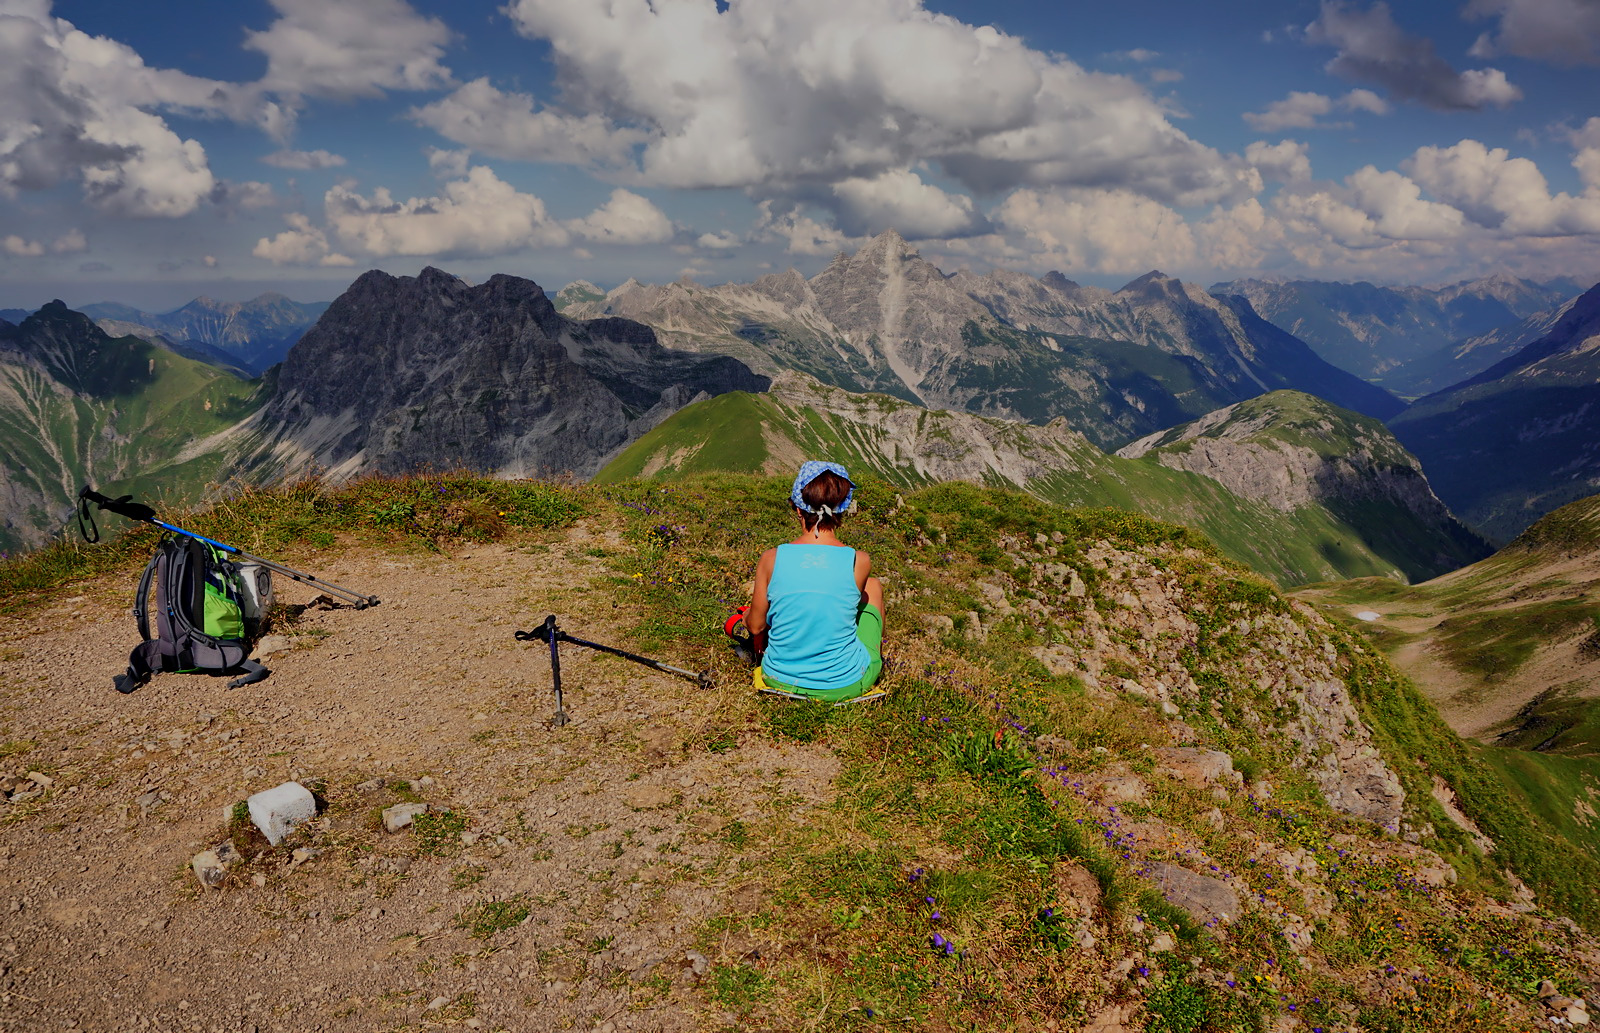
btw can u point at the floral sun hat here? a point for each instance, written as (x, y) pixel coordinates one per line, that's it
(808, 473)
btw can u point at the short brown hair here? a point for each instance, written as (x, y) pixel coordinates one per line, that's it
(826, 489)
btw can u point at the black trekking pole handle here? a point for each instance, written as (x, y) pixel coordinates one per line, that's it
(548, 632)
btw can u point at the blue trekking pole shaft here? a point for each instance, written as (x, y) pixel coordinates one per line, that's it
(137, 511)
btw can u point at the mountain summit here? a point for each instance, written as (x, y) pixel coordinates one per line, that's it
(429, 371)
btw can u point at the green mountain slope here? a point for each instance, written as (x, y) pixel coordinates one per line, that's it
(78, 406)
(909, 447)
(1522, 438)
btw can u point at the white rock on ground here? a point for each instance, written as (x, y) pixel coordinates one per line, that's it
(278, 810)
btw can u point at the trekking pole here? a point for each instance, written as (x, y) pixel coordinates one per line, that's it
(554, 635)
(144, 514)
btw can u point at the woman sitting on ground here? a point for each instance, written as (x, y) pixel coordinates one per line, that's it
(815, 598)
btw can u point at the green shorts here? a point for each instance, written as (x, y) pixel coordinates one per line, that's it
(869, 629)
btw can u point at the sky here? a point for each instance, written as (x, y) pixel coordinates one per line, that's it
(151, 152)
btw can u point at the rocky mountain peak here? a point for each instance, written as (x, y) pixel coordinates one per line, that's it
(1154, 286)
(1057, 281)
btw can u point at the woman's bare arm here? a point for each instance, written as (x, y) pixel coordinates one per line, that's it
(755, 618)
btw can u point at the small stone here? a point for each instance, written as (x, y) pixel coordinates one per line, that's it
(278, 810)
(425, 782)
(258, 880)
(1162, 943)
(474, 1023)
(469, 838)
(270, 644)
(550, 812)
(1547, 989)
(303, 854)
(371, 785)
(148, 801)
(41, 780)
(698, 963)
(437, 1003)
(401, 815)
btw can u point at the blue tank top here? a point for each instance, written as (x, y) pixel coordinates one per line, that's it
(812, 601)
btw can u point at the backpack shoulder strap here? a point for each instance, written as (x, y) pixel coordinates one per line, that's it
(141, 597)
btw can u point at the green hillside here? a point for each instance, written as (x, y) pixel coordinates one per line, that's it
(1013, 838)
(79, 407)
(910, 447)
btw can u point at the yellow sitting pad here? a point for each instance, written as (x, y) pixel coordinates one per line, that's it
(761, 686)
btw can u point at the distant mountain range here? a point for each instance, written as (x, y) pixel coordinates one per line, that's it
(1117, 364)
(253, 335)
(1411, 340)
(1523, 437)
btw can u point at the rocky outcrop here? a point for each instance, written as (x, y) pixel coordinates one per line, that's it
(404, 373)
(1291, 451)
(1284, 680)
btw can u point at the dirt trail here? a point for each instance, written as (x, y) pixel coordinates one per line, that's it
(619, 832)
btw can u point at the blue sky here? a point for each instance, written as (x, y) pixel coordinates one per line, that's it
(151, 152)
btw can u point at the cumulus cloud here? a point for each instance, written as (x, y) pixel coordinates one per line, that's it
(778, 99)
(479, 215)
(352, 48)
(506, 125)
(247, 196)
(1500, 192)
(476, 215)
(304, 160)
(722, 240)
(1107, 231)
(627, 218)
(1302, 110)
(1371, 208)
(1282, 162)
(1563, 31)
(300, 244)
(71, 242)
(1372, 48)
(801, 234)
(15, 245)
(1299, 110)
(448, 164)
(900, 198)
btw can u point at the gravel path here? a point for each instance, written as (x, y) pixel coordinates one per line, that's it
(618, 835)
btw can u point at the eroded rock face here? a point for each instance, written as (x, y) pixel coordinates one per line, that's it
(1211, 902)
(1285, 678)
(407, 372)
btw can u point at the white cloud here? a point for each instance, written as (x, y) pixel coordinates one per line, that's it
(1372, 208)
(627, 218)
(722, 240)
(1303, 110)
(81, 107)
(1299, 110)
(478, 215)
(1372, 48)
(448, 164)
(1562, 31)
(71, 242)
(1364, 100)
(900, 198)
(1503, 193)
(350, 48)
(787, 100)
(505, 125)
(15, 245)
(287, 159)
(801, 234)
(1283, 162)
(1107, 231)
(301, 244)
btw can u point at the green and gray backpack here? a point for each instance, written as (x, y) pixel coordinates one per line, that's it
(208, 613)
